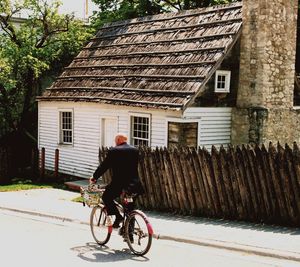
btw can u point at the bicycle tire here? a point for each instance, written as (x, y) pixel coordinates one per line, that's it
(100, 227)
(141, 234)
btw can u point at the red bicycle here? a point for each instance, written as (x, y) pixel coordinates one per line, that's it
(135, 228)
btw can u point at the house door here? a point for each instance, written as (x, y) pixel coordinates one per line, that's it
(109, 131)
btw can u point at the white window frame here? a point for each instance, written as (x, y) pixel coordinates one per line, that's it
(60, 129)
(183, 120)
(227, 75)
(141, 115)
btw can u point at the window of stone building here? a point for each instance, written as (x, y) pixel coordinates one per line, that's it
(182, 134)
(222, 81)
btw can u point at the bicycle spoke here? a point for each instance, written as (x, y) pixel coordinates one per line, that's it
(98, 223)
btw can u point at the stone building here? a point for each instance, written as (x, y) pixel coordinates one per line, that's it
(265, 108)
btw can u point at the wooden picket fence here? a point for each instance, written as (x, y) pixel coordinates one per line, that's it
(238, 183)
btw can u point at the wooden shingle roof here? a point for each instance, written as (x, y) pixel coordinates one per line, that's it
(160, 61)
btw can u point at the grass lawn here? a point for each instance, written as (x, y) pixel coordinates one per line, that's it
(18, 185)
(78, 199)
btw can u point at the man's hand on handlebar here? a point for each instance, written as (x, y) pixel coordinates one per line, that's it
(92, 180)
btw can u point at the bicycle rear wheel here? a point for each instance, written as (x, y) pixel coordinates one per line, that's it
(100, 225)
(138, 233)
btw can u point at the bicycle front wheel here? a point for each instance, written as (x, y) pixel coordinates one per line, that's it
(100, 226)
(138, 233)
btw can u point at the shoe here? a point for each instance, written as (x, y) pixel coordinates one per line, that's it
(117, 221)
(130, 239)
(121, 231)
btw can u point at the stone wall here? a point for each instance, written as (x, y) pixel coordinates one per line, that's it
(258, 125)
(267, 67)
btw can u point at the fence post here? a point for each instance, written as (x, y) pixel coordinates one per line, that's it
(34, 162)
(56, 163)
(42, 170)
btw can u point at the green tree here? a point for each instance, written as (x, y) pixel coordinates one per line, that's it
(114, 10)
(30, 52)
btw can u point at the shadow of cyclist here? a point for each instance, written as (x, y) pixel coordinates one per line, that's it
(92, 252)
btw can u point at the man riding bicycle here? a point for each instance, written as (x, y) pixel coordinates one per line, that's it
(123, 161)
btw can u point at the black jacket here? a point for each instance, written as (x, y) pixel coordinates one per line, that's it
(123, 161)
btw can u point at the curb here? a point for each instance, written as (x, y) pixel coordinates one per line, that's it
(260, 251)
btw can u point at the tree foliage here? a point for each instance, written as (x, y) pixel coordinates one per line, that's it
(114, 10)
(30, 51)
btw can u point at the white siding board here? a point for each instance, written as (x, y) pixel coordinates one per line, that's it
(215, 138)
(214, 142)
(86, 136)
(212, 135)
(212, 119)
(215, 130)
(220, 123)
(216, 126)
(46, 136)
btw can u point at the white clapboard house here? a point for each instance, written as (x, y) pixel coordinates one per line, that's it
(163, 80)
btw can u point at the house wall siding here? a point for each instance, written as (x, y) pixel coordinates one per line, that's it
(214, 125)
(81, 158)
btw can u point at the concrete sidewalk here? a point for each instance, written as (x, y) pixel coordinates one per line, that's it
(278, 242)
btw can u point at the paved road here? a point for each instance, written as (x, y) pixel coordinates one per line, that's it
(33, 241)
(272, 241)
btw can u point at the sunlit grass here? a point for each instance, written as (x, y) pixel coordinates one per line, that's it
(78, 199)
(21, 186)
(18, 184)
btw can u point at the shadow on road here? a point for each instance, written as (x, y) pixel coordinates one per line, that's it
(92, 252)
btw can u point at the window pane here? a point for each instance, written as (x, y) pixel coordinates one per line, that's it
(66, 127)
(221, 85)
(140, 131)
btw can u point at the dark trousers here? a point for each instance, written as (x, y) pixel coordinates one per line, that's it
(108, 197)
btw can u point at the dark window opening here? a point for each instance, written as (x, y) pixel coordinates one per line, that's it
(182, 134)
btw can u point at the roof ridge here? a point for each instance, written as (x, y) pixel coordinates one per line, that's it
(173, 15)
